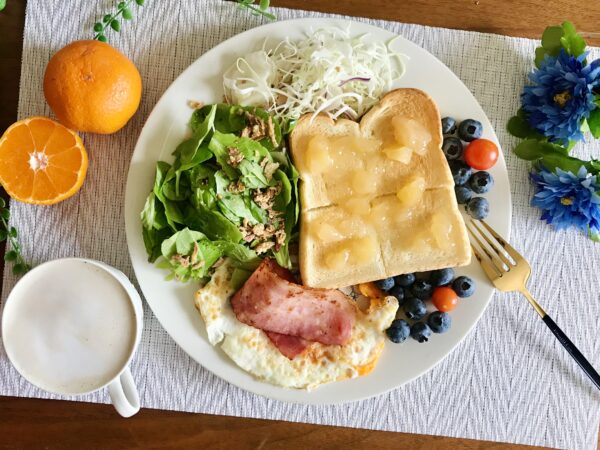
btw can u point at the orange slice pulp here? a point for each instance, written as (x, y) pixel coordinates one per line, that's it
(41, 161)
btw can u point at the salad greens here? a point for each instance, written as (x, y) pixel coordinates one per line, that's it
(231, 191)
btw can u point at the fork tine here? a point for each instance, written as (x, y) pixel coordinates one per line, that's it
(487, 267)
(498, 265)
(496, 246)
(505, 245)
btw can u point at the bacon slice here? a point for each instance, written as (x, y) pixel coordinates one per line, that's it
(270, 301)
(290, 346)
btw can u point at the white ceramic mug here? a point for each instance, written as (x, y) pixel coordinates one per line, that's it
(71, 326)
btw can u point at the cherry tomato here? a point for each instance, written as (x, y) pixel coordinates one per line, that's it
(481, 154)
(444, 299)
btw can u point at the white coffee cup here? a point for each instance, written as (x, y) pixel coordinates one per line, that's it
(71, 326)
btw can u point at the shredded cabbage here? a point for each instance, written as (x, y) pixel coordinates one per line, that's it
(327, 72)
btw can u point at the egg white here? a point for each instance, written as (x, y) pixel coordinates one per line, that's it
(253, 351)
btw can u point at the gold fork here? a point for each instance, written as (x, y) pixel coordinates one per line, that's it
(509, 272)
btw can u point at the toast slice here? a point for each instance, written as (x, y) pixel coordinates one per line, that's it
(331, 187)
(354, 226)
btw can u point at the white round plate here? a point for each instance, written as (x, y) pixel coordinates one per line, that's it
(172, 302)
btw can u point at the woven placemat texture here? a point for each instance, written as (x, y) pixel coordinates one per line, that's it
(509, 380)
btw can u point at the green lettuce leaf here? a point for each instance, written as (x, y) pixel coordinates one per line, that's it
(252, 175)
(233, 206)
(240, 255)
(231, 119)
(186, 152)
(212, 223)
(188, 254)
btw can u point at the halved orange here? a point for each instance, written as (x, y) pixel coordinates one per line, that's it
(41, 161)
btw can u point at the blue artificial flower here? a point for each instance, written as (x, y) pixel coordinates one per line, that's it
(567, 199)
(561, 96)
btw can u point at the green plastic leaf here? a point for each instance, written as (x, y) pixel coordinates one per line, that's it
(572, 42)
(2, 4)
(13, 232)
(5, 214)
(593, 166)
(3, 235)
(139, 2)
(19, 269)
(519, 127)
(551, 40)
(127, 14)
(552, 156)
(540, 55)
(115, 25)
(97, 27)
(2, 202)
(585, 127)
(594, 122)
(10, 255)
(264, 4)
(102, 38)
(107, 18)
(121, 5)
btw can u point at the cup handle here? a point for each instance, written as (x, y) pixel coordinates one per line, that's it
(124, 395)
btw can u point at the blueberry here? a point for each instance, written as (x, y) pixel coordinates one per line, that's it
(469, 130)
(422, 289)
(415, 309)
(441, 277)
(398, 331)
(452, 147)
(398, 292)
(420, 332)
(478, 208)
(463, 194)
(424, 276)
(439, 322)
(463, 286)
(481, 182)
(448, 125)
(408, 293)
(386, 284)
(460, 172)
(405, 280)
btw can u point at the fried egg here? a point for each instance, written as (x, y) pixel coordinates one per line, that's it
(253, 351)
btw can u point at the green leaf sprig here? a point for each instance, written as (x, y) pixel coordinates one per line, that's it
(260, 10)
(2, 4)
(112, 20)
(11, 235)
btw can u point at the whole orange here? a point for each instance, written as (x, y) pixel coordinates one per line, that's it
(92, 87)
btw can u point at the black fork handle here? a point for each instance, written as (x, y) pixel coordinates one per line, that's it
(573, 351)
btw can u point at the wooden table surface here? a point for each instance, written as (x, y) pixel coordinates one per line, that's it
(29, 423)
